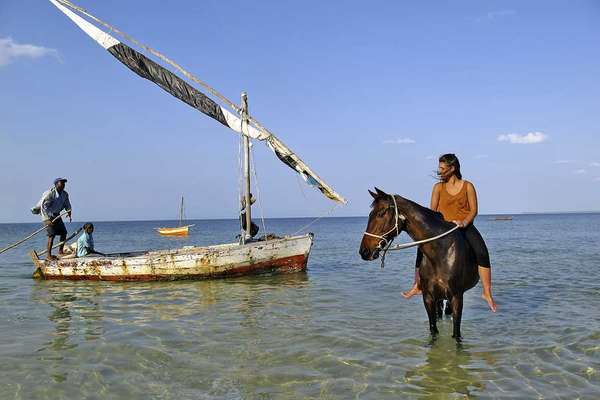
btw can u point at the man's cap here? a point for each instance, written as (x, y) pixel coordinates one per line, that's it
(60, 180)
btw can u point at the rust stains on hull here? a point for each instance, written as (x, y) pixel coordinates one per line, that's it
(284, 255)
(284, 265)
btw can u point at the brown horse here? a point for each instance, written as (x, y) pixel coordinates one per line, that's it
(448, 267)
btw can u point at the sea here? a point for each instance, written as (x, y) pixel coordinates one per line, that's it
(340, 330)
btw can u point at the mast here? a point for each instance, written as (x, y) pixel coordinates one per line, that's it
(181, 212)
(246, 151)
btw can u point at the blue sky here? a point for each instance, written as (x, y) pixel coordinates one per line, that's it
(367, 93)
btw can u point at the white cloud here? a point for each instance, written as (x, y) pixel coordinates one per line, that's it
(580, 171)
(400, 141)
(595, 164)
(10, 51)
(564, 161)
(528, 138)
(494, 15)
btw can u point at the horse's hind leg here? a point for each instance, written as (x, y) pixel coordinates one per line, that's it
(456, 305)
(431, 306)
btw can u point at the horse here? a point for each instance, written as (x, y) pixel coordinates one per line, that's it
(448, 267)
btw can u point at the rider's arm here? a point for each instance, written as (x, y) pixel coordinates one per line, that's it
(435, 196)
(472, 198)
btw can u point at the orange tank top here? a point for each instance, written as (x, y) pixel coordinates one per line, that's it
(454, 207)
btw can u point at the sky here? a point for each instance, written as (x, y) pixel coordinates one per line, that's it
(367, 93)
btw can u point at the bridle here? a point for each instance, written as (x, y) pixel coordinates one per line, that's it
(385, 243)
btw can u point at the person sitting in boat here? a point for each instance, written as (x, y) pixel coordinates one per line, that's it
(253, 227)
(456, 199)
(50, 206)
(85, 243)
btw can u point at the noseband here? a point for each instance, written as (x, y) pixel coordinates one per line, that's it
(384, 242)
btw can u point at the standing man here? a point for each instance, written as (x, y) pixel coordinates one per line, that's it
(253, 227)
(53, 202)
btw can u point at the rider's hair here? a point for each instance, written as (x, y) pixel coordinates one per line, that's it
(452, 161)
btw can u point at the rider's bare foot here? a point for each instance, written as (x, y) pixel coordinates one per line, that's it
(50, 257)
(487, 296)
(413, 291)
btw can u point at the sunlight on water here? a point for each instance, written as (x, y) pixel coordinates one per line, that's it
(339, 331)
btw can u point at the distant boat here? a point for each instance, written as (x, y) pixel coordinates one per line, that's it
(180, 230)
(503, 218)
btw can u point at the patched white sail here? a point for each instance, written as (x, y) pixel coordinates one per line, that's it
(179, 88)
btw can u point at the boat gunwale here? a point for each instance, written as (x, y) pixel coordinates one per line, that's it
(113, 257)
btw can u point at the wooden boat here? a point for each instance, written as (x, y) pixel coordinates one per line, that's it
(181, 230)
(282, 255)
(279, 254)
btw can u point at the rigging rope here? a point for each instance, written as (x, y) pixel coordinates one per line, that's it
(154, 52)
(274, 143)
(240, 183)
(262, 215)
(327, 214)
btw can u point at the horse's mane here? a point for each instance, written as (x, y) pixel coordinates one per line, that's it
(435, 216)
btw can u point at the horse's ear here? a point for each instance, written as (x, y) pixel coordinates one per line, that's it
(374, 195)
(381, 192)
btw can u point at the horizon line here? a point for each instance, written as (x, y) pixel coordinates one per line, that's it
(313, 217)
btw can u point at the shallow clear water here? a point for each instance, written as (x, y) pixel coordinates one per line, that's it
(339, 331)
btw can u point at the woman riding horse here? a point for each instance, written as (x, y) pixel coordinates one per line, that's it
(456, 199)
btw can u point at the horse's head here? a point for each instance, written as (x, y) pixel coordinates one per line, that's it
(385, 223)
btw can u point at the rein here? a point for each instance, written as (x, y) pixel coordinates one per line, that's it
(388, 242)
(418, 242)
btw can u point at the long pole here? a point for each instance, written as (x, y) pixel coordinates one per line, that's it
(246, 146)
(33, 234)
(61, 243)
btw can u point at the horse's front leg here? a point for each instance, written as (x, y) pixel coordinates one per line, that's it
(431, 307)
(456, 303)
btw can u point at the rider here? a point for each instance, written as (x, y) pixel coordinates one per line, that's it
(456, 199)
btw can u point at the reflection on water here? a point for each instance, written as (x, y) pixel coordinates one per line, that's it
(447, 370)
(88, 303)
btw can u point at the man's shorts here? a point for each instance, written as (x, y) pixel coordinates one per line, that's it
(57, 228)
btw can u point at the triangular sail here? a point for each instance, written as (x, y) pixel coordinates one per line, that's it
(177, 87)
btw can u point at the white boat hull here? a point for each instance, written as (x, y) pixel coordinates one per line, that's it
(284, 255)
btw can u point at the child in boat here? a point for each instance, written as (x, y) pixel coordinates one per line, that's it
(85, 243)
